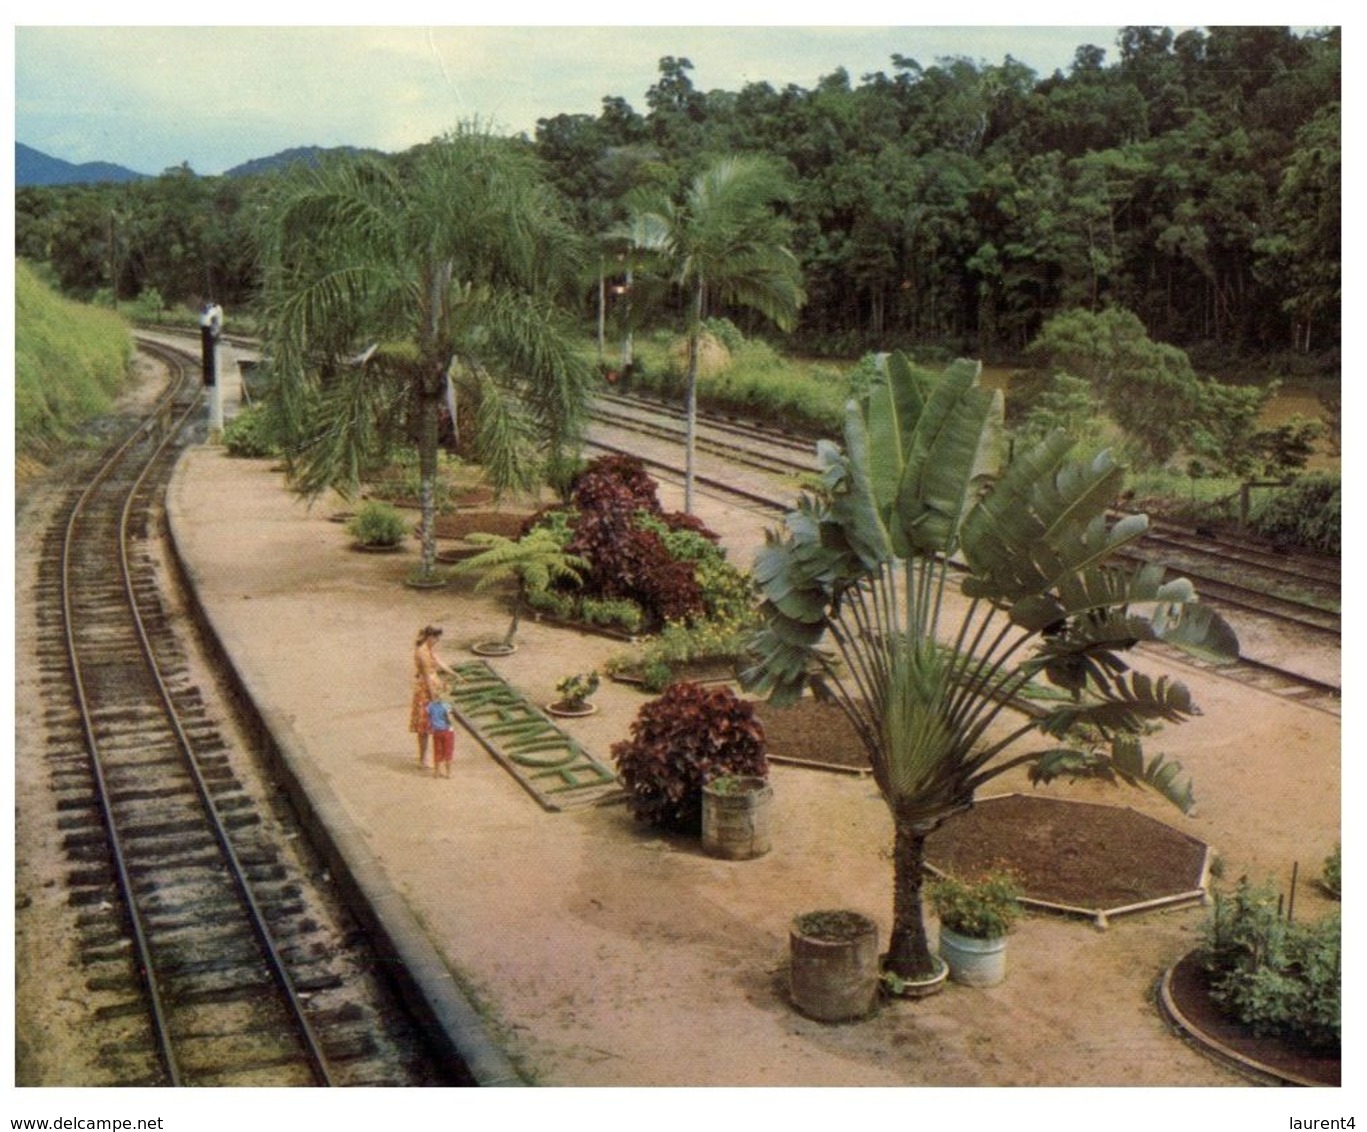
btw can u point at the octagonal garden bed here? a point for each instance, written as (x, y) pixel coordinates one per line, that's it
(1086, 858)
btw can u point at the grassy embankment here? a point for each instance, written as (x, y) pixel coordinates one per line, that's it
(70, 360)
(750, 377)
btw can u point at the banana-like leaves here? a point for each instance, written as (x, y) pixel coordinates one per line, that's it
(1125, 763)
(1043, 522)
(914, 484)
(1124, 704)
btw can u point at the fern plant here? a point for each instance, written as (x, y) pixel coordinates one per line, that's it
(536, 562)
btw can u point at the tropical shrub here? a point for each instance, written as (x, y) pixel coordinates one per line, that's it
(680, 742)
(855, 588)
(553, 603)
(575, 690)
(615, 483)
(1309, 513)
(1332, 876)
(656, 676)
(727, 594)
(613, 613)
(377, 523)
(249, 435)
(1278, 976)
(628, 563)
(1150, 388)
(618, 529)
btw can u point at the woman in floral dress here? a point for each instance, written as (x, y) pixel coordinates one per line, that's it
(427, 669)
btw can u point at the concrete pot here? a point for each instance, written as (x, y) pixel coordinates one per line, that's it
(834, 975)
(735, 817)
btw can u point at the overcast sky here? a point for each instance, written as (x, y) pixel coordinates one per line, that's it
(150, 97)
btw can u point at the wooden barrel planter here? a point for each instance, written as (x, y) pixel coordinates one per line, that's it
(834, 974)
(735, 817)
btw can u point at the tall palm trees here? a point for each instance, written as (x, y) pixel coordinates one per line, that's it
(441, 271)
(723, 243)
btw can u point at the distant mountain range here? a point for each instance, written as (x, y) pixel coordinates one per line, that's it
(32, 167)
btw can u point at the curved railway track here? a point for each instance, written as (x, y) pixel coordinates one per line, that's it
(1297, 593)
(212, 952)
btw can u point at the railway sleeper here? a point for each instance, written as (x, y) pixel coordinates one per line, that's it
(236, 964)
(84, 830)
(175, 790)
(106, 897)
(241, 986)
(351, 1045)
(123, 984)
(143, 829)
(118, 952)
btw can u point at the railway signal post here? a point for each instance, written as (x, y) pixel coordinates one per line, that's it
(210, 327)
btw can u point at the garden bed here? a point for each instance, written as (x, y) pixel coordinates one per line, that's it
(1186, 1001)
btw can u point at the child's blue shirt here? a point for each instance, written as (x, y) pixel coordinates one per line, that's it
(439, 716)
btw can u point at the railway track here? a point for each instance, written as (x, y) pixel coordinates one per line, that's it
(212, 950)
(1252, 583)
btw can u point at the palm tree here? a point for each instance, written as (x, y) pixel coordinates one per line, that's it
(436, 275)
(723, 243)
(855, 588)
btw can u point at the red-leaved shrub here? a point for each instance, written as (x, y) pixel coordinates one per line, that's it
(680, 742)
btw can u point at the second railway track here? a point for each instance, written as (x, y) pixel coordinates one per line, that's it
(1254, 584)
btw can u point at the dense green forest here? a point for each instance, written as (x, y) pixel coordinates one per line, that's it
(1193, 181)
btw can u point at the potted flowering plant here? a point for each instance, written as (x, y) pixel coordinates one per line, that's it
(574, 694)
(975, 916)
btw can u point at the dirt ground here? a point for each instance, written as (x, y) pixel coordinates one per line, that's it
(606, 954)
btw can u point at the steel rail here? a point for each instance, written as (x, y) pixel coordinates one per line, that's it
(312, 1048)
(146, 970)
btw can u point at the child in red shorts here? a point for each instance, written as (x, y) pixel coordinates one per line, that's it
(441, 718)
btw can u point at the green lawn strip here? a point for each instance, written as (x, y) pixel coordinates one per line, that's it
(551, 766)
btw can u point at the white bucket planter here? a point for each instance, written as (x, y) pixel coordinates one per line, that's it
(973, 962)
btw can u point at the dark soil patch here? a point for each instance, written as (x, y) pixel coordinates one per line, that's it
(696, 672)
(472, 497)
(1082, 855)
(463, 523)
(812, 731)
(1189, 987)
